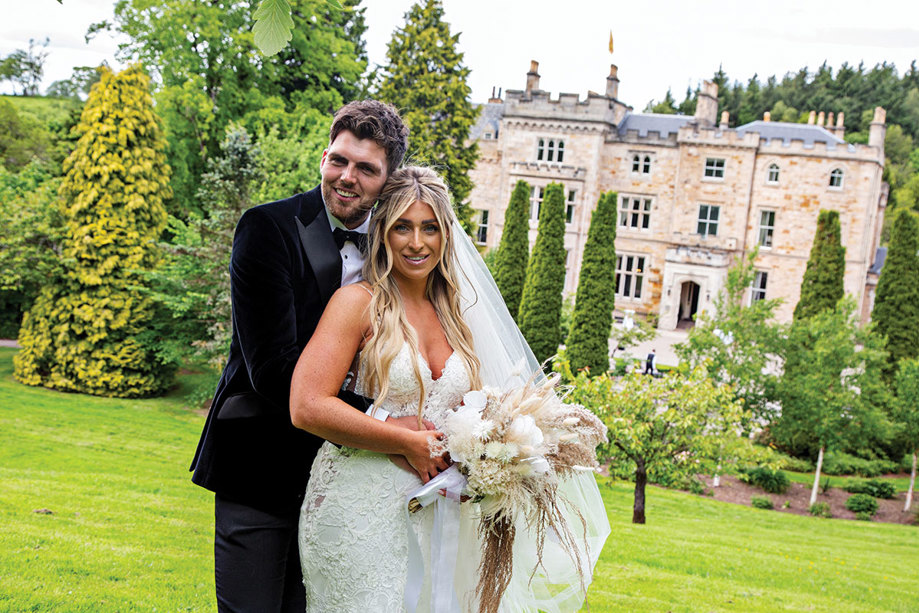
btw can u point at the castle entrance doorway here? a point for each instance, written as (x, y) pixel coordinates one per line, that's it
(689, 304)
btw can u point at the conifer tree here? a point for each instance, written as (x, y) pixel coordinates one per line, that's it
(588, 342)
(88, 330)
(896, 307)
(426, 80)
(541, 302)
(514, 250)
(822, 286)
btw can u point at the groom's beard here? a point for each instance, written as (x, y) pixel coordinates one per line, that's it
(351, 214)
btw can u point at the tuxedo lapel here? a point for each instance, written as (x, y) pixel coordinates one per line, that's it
(321, 253)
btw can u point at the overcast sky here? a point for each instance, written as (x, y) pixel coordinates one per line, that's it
(658, 45)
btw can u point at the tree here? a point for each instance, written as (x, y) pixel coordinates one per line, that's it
(822, 286)
(209, 74)
(588, 342)
(906, 414)
(427, 81)
(539, 317)
(194, 283)
(88, 329)
(22, 138)
(514, 250)
(896, 305)
(25, 67)
(836, 393)
(659, 425)
(737, 341)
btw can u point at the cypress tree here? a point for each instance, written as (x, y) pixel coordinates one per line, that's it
(822, 286)
(896, 306)
(541, 302)
(88, 330)
(588, 342)
(426, 80)
(514, 250)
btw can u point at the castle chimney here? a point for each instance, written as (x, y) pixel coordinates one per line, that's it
(767, 116)
(840, 125)
(820, 118)
(612, 82)
(725, 116)
(707, 104)
(533, 77)
(812, 118)
(878, 128)
(494, 99)
(829, 122)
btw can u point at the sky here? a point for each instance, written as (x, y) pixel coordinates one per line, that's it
(658, 45)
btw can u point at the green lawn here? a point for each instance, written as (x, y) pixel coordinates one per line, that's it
(129, 532)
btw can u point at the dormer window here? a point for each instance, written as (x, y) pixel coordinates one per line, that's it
(550, 150)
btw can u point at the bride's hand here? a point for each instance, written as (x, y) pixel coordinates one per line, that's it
(418, 455)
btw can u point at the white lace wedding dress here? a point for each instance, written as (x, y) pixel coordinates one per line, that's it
(353, 534)
(354, 529)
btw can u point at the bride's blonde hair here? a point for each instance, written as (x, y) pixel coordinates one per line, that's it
(389, 325)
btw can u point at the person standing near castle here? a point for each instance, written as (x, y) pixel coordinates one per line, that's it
(288, 259)
(649, 363)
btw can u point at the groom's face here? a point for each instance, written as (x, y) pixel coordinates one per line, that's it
(353, 173)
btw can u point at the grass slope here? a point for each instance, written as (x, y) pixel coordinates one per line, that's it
(129, 532)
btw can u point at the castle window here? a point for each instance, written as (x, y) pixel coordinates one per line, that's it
(536, 194)
(766, 228)
(630, 272)
(481, 234)
(708, 220)
(836, 178)
(635, 213)
(641, 163)
(772, 175)
(759, 286)
(569, 206)
(550, 150)
(714, 168)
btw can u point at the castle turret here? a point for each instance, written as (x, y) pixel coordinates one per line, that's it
(878, 129)
(707, 104)
(612, 82)
(533, 77)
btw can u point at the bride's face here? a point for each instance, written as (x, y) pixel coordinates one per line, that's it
(415, 240)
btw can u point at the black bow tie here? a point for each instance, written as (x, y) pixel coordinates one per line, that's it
(342, 236)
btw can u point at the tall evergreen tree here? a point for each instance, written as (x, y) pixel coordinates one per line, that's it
(588, 341)
(541, 303)
(88, 330)
(822, 286)
(426, 80)
(514, 250)
(896, 306)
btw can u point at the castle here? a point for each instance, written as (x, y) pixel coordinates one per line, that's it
(694, 194)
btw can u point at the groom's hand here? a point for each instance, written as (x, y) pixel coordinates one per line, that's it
(409, 422)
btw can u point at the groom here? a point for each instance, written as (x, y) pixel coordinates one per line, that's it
(288, 258)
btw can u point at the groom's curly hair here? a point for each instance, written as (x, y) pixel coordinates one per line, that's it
(378, 121)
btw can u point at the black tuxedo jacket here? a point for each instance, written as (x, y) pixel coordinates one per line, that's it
(283, 270)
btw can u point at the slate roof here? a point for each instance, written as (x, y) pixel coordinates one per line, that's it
(488, 121)
(653, 122)
(787, 132)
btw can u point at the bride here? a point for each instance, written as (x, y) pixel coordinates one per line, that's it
(424, 327)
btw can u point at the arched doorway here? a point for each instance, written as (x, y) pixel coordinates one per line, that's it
(689, 304)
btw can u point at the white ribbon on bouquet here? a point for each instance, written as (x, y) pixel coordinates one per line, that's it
(444, 492)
